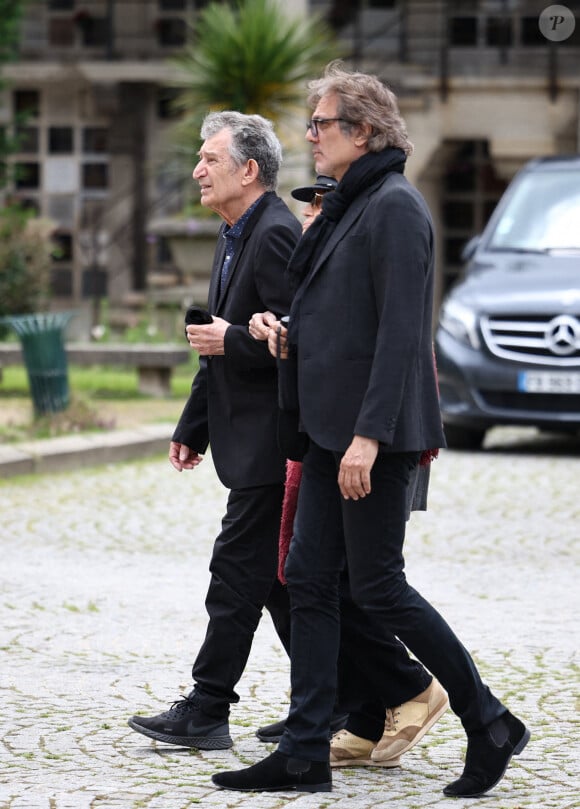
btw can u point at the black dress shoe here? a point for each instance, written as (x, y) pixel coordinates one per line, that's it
(278, 773)
(488, 755)
(273, 733)
(187, 725)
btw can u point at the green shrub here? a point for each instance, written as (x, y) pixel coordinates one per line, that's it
(25, 261)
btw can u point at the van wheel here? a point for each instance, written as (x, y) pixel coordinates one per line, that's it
(463, 437)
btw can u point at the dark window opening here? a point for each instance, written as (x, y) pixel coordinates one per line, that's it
(29, 204)
(95, 139)
(63, 247)
(61, 5)
(61, 32)
(171, 31)
(95, 31)
(463, 31)
(530, 32)
(498, 32)
(27, 139)
(459, 214)
(95, 175)
(27, 175)
(171, 5)
(60, 140)
(168, 103)
(27, 102)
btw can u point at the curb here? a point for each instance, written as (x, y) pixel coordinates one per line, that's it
(68, 453)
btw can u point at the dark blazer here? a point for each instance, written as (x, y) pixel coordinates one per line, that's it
(233, 403)
(365, 358)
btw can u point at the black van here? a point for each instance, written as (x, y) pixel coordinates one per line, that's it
(508, 338)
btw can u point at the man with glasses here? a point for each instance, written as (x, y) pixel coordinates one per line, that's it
(361, 327)
(368, 733)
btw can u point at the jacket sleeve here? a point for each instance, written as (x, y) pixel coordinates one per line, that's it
(401, 248)
(192, 428)
(272, 253)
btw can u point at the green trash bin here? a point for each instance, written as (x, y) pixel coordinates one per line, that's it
(43, 348)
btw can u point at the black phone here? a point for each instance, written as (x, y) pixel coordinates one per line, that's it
(197, 316)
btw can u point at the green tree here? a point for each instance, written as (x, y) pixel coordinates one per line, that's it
(251, 56)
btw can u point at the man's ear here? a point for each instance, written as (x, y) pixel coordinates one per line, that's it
(251, 172)
(364, 131)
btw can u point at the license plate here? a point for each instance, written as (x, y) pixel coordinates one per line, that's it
(548, 382)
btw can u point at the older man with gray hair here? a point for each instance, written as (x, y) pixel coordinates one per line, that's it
(233, 406)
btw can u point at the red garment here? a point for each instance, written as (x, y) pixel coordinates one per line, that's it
(291, 486)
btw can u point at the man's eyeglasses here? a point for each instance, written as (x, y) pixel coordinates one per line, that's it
(315, 123)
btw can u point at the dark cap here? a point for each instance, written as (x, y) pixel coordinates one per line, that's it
(321, 185)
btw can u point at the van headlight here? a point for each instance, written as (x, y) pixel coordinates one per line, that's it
(460, 322)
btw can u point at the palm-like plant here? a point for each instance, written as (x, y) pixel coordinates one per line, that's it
(253, 57)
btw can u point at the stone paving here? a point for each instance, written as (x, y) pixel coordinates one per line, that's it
(102, 579)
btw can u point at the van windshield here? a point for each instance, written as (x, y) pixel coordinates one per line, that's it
(542, 214)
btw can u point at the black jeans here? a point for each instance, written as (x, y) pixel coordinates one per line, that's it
(243, 581)
(369, 535)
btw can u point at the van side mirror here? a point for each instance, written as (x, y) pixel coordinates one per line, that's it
(470, 248)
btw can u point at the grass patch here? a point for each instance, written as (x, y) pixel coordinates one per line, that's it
(99, 394)
(100, 381)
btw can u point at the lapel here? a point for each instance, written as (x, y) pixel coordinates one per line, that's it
(345, 224)
(218, 260)
(247, 232)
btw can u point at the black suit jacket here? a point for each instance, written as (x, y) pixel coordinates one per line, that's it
(365, 358)
(233, 403)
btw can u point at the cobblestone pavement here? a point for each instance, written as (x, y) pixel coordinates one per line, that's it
(103, 574)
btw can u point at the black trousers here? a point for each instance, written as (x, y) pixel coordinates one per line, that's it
(367, 535)
(243, 581)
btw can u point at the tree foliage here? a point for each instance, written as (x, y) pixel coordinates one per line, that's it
(253, 57)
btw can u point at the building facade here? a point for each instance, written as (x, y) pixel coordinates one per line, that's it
(482, 87)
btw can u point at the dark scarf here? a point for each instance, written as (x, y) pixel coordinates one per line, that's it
(360, 176)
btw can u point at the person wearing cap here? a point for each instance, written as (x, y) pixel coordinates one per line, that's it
(312, 195)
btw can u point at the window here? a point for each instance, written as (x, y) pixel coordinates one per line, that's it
(531, 34)
(27, 175)
(63, 247)
(95, 139)
(61, 32)
(170, 31)
(463, 31)
(27, 102)
(95, 176)
(172, 5)
(27, 139)
(498, 32)
(60, 140)
(95, 31)
(167, 103)
(61, 5)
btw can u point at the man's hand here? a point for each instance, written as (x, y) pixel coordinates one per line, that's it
(354, 474)
(260, 325)
(182, 457)
(208, 340)
(277, 342)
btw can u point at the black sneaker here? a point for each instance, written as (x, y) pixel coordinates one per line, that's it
(273, 732)
(185, 724)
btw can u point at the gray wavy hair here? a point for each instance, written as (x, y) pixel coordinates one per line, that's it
(253, 138)
(363, 99)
